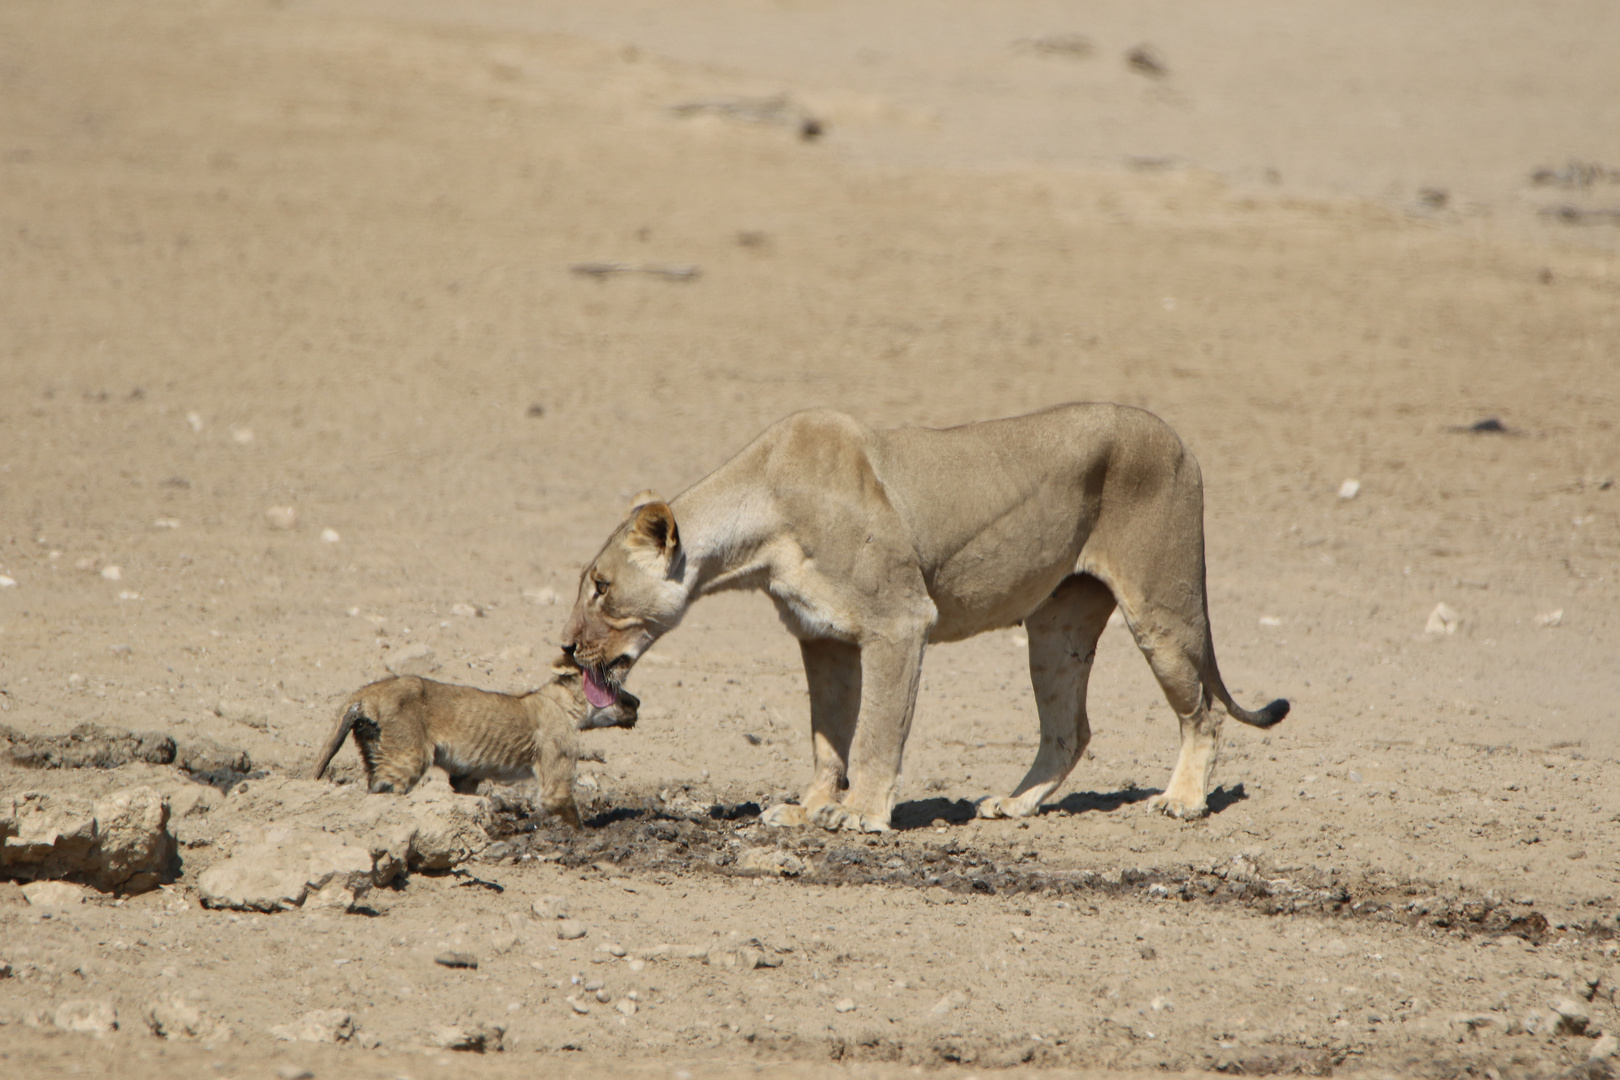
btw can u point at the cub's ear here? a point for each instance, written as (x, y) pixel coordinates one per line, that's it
(653, 535)
(647, 496)
(564, 666)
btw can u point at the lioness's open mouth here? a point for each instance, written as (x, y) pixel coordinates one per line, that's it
(602, 687)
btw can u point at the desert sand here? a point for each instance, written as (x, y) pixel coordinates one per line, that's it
(336, 331)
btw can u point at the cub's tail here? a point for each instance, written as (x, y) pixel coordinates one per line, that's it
(345, 724)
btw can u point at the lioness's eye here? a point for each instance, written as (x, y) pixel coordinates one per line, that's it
(601, 586)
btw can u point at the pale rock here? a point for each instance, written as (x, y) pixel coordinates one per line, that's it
(1443, 620)
(242, 712)
(87, 1017)
(845, 1005)
(571, 930)
(7, 582)
(578, 1006)
(1349, 489)
(550, 906)
(318, 1026)
(112, 573)
(1573, 1017)
(770, 861)
(414, 659)
(174, 1018)
(626, 1006)
(1604, 1049)
(484, 1038)
(120, 840)
(283, 875)
(956, 999)
(53, 894)
(330, 536)
(1550, 618)
(466, 611)
(293, 1072)
(281, 518)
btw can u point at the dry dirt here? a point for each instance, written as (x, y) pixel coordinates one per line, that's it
(322, 256)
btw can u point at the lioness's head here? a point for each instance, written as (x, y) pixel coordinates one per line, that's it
(630, 595)
(619, 707)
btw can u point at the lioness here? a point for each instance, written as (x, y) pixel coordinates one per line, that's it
(402, 725)
(872, 544)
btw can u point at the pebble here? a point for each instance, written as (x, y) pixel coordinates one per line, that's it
(1443, 620)
(7, 582)
(1605, 1048)
(1147, 952)
(603, 996)
(466, 611)
(294, 1072)
(592, 986)
(612, 950)
(845, 1005)
(55, 893)
(626, 1006)
(330, 536)
(1349, 489)
(86, 1017)
(1550, 618)
(1573, 1017)
(953, 1000)
(571, 929)
(550, 907)
(456, 960)
(579, 1006)
(282, 518)
(112, 573)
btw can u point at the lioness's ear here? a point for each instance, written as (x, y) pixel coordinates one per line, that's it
(647, 496)
(653, 533)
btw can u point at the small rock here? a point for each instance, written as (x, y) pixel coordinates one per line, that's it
(503, 941)
(112, 573)
(571, 930)
(1349, 489)
(1605, 1048)
(845, 1005)
(456, 960)
(414, 659)
(626, 1006)
(612, 949)
(467, 611)
(321, 1025)
(1270, 620)
(330, 536)
(770, 861)
(86, 1017)
(953, 1000)
(603, 996)
(242, 712)
(174, 1018)
(550, 907)
(55, 893)
(1443, 620)
(478, 1040)
(293, 1072)
(579, 1006)
(1573, 1017)
(7, 582)
(1147, 952)
(242, 436)
(282, 518)
(1550, 618)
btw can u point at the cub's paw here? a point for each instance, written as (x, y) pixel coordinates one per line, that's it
(835, 816)
(785, 816)
(1177, 808)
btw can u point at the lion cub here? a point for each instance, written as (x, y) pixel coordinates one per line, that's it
(402, 725)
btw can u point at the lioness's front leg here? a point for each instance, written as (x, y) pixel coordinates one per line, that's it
(832, 670)
(890, 666)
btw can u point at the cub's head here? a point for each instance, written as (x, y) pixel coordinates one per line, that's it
(621, 706)
(630, 595)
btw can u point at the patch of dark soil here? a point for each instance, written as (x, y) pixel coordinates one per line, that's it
(684, 837)
(92, 746)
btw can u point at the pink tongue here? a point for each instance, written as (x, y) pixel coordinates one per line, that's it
(598, 695)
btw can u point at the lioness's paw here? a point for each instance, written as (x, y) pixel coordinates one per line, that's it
(785, 816)
(1002, 806)
(835, 816)
(1176, 808)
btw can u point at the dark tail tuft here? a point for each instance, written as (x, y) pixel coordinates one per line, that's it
(1273, 713)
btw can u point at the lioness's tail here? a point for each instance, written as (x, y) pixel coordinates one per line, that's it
(1264, 717)
(345, 724)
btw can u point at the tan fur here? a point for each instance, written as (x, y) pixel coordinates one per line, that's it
(404, 725)
(872, 544)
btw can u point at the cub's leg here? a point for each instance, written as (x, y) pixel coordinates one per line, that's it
(833, 671)
(891, 661)
(554, 785)
(1063, 635)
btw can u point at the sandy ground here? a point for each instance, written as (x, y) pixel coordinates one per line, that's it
(320, 256)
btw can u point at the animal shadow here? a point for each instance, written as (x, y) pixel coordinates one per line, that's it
(1080, 802)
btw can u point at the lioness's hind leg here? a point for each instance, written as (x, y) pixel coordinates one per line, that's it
(1063, 635)
(832, 669)
(1178, 674)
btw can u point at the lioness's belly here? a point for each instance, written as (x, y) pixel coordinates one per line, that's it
(996, 581)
